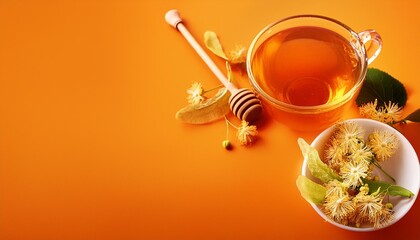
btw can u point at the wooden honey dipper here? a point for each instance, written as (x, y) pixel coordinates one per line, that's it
(243, 102)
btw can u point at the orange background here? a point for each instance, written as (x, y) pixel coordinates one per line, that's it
(90, 148)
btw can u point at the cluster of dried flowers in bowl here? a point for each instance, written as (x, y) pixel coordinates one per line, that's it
(343, 182)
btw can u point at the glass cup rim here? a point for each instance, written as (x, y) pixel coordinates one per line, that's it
(307, 109)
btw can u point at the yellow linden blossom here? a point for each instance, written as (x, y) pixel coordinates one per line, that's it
(237, 54)
(195, 93)
(350, 135)
(369, 208)
(362, 154)
(393, 113)
(335, 155)
(383, 144)
(385, 217)
(389, 113)
(338, 208)
(336, 188)
(246, 133)
(368, 110)
(353, 172)
(347, 141)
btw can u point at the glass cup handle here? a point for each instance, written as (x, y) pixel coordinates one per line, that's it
(373, 43)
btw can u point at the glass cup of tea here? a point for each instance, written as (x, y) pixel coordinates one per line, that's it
(308, 69)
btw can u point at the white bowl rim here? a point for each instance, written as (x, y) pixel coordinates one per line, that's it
(401, 137)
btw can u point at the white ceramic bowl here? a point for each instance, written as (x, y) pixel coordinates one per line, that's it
(403, 166)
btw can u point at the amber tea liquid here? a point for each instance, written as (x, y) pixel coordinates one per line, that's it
(306, 66)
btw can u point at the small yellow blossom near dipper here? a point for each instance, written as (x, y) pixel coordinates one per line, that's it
(246, 133)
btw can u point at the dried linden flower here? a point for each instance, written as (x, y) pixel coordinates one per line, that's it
(369, 207)
(368, 110)
(338, 208)
(389, 113)
(362, 154)
(336, 188)
(195, 93)
(353, 172)
(383, 144)
(385, 217)
(393, 113)
(246, 133)
(335, 155)
(237, 54)
(350, 135)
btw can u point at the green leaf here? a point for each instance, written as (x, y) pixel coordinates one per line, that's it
(311, 191)
(414, 116)
(392, 190)
(207, 111)
(317, 168)
(382, 86)
(212, 42)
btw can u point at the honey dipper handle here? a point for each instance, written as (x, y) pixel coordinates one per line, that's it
(173, 18)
